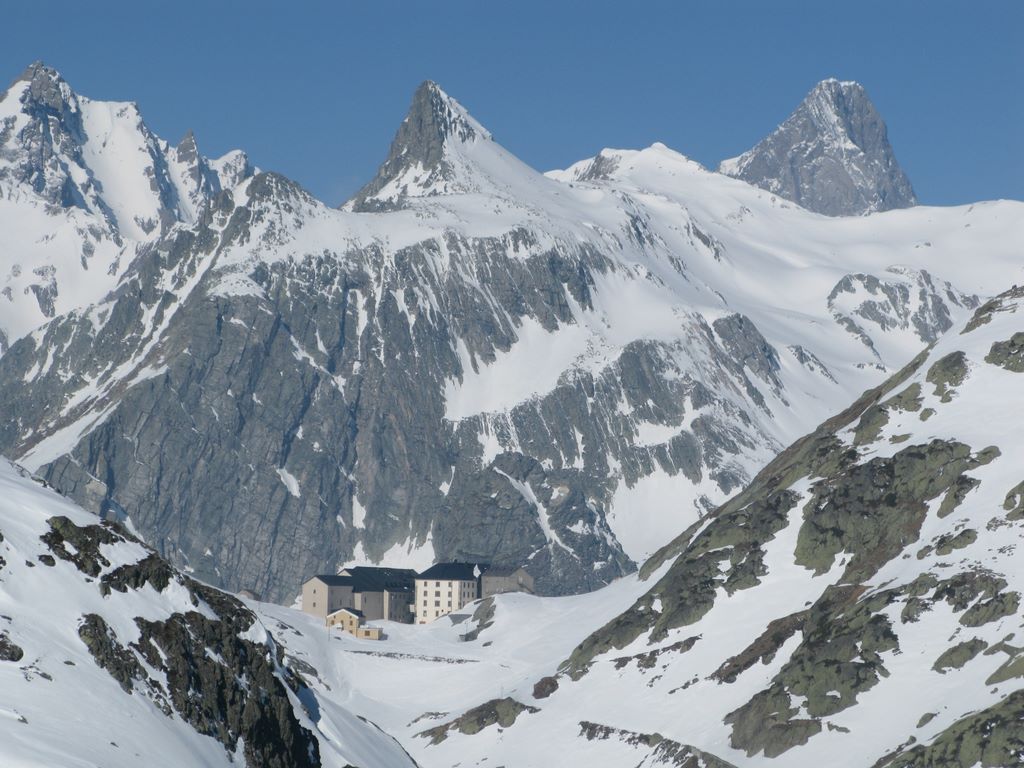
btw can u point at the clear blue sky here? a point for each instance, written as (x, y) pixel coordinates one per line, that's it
(315, 90)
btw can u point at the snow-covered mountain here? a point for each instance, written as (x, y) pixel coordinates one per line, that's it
(440, 149)
(82, 183)
(109, 656)
(832, 155)
(858, 604)
(474, 360)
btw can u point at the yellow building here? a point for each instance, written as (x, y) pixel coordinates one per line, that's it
(351, 621)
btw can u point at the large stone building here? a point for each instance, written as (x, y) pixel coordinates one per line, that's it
(444, 588)
(497, 580)
(383, 593)
(377, 593)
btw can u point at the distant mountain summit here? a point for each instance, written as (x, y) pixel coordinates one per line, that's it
(832, 156)
(420, 160)
(439, 150)
(101, 157)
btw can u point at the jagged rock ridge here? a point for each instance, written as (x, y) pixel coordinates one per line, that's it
(82, 184)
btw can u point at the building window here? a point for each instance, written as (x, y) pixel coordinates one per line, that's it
(437, 603)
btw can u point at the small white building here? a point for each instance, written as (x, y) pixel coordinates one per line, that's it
(444, 588)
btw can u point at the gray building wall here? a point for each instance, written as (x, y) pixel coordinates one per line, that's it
(396, 606)
(371, 604)
(320, 599)
(518, 581)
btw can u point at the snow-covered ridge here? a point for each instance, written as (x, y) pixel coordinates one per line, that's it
(82, 184)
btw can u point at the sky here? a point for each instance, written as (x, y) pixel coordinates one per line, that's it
(315, 90)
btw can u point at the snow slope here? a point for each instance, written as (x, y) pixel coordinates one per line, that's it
(58, 706)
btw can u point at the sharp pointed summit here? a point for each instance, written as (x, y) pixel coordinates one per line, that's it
(832, 156)
(45, 87)
(434, 119)
(430, 154)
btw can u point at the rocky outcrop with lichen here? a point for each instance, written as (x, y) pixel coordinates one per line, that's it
(903, 511)
(112, 656)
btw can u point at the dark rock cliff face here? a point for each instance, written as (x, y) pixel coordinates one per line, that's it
(245, 432)
(268, 394)
(832, 156)
(196, 665)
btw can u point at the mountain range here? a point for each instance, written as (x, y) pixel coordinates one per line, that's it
(470, 360)
(753, 431)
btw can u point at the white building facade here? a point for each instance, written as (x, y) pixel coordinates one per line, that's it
(445, 588)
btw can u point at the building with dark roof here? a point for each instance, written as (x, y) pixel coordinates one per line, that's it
(446, 587)
(379, 593)
(453, 571)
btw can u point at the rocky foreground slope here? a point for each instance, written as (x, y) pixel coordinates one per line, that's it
(108, 656)
(858, 604)
(472, 361)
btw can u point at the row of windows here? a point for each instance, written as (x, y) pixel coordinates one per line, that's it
(449, 584)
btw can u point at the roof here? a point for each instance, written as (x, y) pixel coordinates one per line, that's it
(353, 611)
(367, 578)
(452, 571)
(332, 580)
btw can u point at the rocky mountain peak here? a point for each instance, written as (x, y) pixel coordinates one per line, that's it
(101, 157)
(233, 168)
(842, 110)
(831, 155)
(187, 150)
(46, 87)
(434, 119)
(420, 161)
